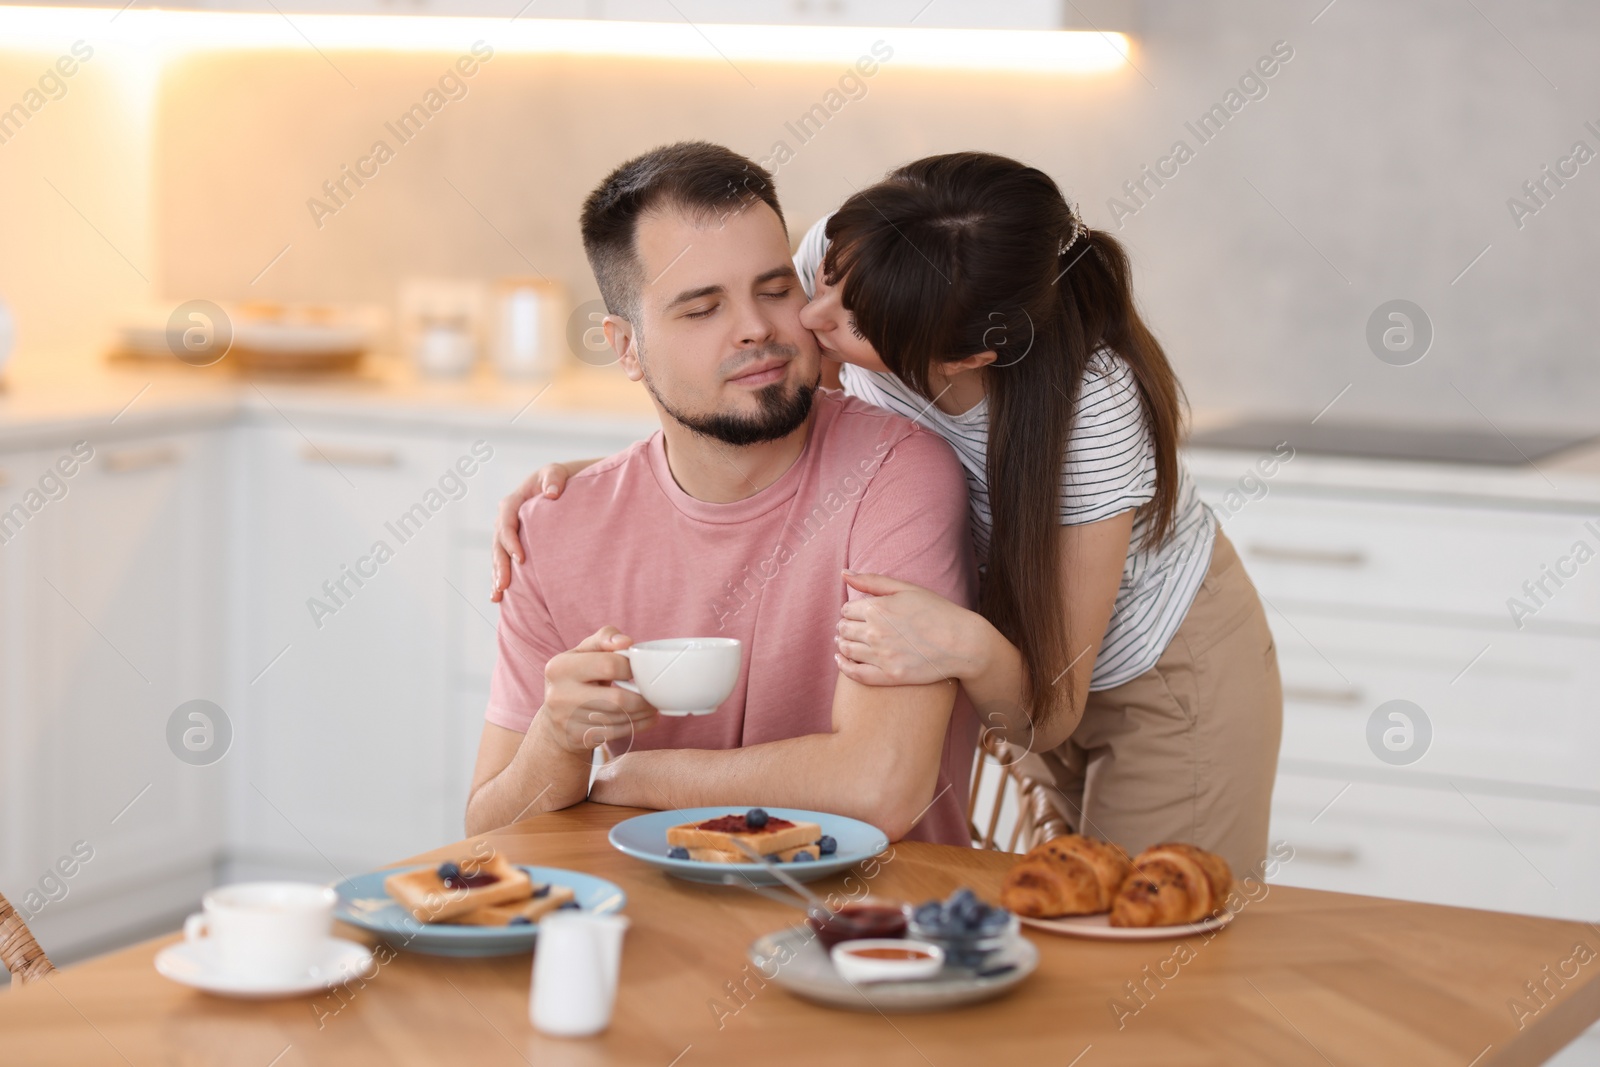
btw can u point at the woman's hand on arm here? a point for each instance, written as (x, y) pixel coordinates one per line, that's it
(547, 481)
(903, 634)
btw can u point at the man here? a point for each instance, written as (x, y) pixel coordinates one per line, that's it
(735, 520)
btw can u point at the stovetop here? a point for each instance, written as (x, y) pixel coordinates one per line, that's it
(1467, 445)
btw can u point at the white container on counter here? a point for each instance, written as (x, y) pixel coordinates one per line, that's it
(445, 348)
(527, 327)
(441, 322)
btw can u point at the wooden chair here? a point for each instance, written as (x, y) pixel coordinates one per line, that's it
(19, 952)
(1037, 819)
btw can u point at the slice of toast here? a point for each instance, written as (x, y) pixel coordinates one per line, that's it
(716, 855)
(424, 894)
(769, 839)
(532, 909)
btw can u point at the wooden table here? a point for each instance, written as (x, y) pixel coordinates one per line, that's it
(1301, 977)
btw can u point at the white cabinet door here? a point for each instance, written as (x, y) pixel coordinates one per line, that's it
(123, 593)
(345, 648)
(1439, 844)
(17, 470)
(1421, 559)
(1506, 706)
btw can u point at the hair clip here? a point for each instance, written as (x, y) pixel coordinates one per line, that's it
(1078, 229)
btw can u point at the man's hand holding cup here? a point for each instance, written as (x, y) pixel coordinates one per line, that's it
(582, 710)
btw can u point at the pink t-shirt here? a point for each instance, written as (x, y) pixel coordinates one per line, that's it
(625, 546)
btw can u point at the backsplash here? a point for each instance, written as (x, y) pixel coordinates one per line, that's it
(1269, 214)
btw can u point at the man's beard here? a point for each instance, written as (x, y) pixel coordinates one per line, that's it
(780, 415)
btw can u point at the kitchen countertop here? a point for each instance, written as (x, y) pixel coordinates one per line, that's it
(45, 404)
(1300, 977)
(1568, 481)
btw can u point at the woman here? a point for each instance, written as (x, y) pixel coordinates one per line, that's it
(1118, 639)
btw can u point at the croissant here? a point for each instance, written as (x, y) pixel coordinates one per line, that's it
(1071, 875)
(1172, 884)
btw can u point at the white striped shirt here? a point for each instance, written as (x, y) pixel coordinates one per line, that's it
(1109, 468)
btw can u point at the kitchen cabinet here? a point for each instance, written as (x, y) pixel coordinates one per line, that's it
(114, 605)
(1515, 715)
(14, 749)
(1439, 841)
(1375, 600)
(240, 563)
(342, 683)
(368, 634)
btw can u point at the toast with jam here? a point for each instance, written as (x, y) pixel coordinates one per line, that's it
(786, 855)
(545, 899)
(765, 834)
(443, 893)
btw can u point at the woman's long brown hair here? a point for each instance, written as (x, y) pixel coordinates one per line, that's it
(958, 254)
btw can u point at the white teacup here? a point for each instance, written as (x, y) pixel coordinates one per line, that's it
(684, 675)
(265, 930)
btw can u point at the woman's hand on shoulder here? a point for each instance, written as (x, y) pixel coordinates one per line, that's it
(547, 481)
(903, 634)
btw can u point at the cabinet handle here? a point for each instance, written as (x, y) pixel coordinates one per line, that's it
(1310, 694)
(349, 457)
(1329, 857)
(1353, 557)
(140, 459)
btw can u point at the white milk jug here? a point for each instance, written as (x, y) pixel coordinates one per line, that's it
(575, 968)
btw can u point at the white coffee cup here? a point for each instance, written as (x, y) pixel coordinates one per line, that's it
(684, 675)
(575, 967)
(265, 930)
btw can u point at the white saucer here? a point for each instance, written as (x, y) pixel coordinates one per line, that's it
(1099, 928)
(192, 963)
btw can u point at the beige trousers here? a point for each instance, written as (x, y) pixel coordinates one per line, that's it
(1188, 750)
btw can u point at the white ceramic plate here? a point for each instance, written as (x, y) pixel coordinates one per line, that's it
(193, 963)
(796, 960)
(298, 338)
(1099, 928)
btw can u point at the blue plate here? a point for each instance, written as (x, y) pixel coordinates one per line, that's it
(363, 903)
(645, 837)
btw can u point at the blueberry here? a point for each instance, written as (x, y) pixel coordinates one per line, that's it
(677, 852)
(571, 905)
(827, 845)
(962, 895)
(927, 914)
(994, 921)
(541, 891)
(802, 857)
(755, 818)
(520, 920)
(448, 871)
(773, 857)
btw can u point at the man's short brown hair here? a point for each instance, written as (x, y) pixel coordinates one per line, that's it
(702, 179)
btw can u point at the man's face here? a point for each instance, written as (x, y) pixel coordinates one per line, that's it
(718, 340)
